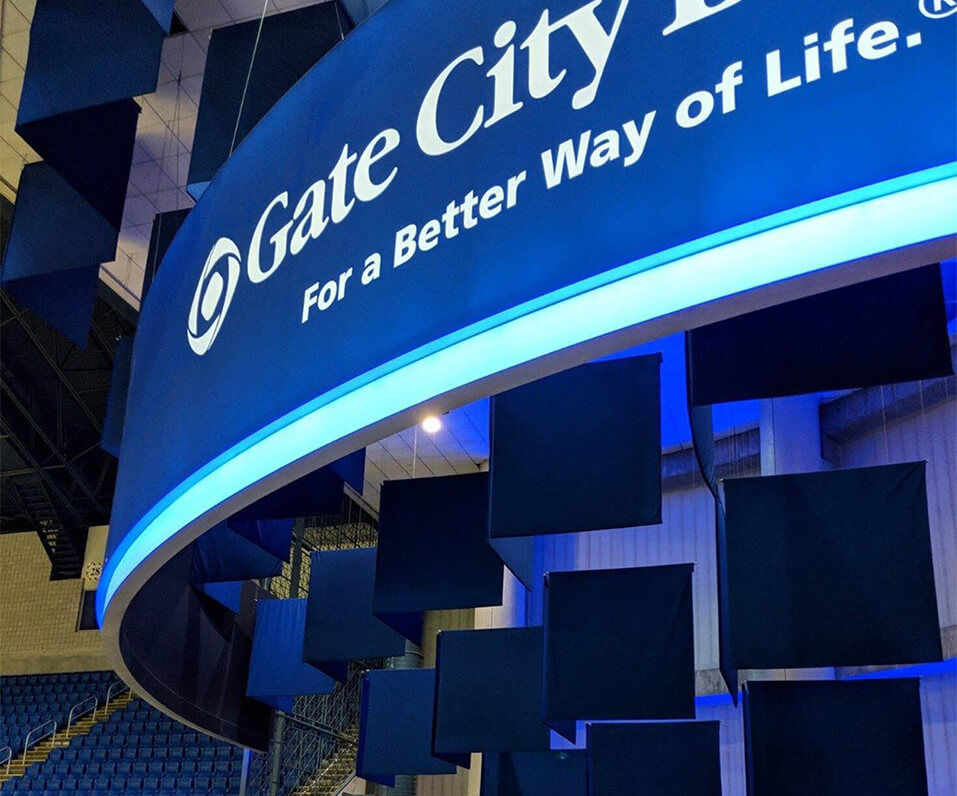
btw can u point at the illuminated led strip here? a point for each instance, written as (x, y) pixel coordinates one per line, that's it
(883, 217)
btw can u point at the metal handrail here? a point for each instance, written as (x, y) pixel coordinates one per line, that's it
(120, 687)
(9, 751)
(345, 784)
(83, 712)
(318, 728)
(26, 743)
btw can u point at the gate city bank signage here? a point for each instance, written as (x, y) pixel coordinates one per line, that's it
(460, 188)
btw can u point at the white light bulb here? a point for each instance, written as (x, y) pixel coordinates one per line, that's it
(431, 424)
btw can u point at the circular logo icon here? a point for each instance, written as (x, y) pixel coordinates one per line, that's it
(213, 295)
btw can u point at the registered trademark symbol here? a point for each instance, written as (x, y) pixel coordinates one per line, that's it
(937, 9)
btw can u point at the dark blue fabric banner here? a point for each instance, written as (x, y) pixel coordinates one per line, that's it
(276, 668)
(88, 54)
(57, 242)
(112, 435)
(221, 555)
(195, 653)
(227, 594)
(162, 11)
(92, 149)
(619, 645)
(830, 569)
(395, 726)
(488, 695)
(340, 625)
(834, 738)
(557, 773)
(86, 61)
(667, 759)
(281, 52)
(319, 492)
(887, 330)
(273, 536)
(518, 554)
(433, 551)
(165, 227)
(602, 471)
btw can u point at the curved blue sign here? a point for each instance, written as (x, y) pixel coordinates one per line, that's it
(460, 188)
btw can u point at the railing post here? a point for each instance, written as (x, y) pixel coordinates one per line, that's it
(26, 742)
(244, 776)
(78, 705)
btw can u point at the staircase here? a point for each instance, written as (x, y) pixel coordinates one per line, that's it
(336, 772)
(59, 547)
(39, 753)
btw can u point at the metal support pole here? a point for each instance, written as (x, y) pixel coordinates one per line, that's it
(278, 732)
(298, 532)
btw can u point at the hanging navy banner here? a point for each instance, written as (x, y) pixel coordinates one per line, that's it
(840, 739)
(619, 645)
(555, 773)
(829, 569)
(883, 331)
(165, 227)
(86, 60)
(340, 625)
(395, 726)
(112, 435)
(276, 668)
(248, 68)
(51, 263)
(667, 759)
(433, 551)
(488, 692)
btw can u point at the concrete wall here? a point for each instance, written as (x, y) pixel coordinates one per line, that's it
(38, 616)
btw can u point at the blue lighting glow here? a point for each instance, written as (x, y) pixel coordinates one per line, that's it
(880, 218)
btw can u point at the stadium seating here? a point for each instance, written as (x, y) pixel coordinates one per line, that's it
(27, 701)
(137, 751)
